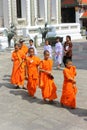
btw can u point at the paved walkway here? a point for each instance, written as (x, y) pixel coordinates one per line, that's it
(18, 111)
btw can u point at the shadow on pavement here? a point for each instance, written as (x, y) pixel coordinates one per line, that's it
(6, 82)
(6, 78)
(8, 85)
(81, 112)
(85, 119)
(25, 96)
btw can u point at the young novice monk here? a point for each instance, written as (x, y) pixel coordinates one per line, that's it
(24, 48)
(69, 91)
(32, 63)
(47, 84)
(18, 71)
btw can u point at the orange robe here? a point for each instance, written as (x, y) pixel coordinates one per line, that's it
(32, 70)
(47, 85)
(18, 71)
(69, 91)
(24, 48)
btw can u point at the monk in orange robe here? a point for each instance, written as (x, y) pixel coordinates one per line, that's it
(32, 63)
(69, 91)
(47, 84)
(18, 71)
(24, 48)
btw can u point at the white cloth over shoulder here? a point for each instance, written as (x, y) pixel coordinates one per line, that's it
(58, 53)
(35, 50)
(49, 48)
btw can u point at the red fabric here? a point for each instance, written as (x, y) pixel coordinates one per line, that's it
(70, 2)
(47, 85)
(32, 70)
(65, 2)
(18, 70)
(69, 90)
(84, 1)
(84, 14)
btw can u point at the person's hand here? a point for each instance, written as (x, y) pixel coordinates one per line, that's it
(26, 77)
(74, 82)
(65, 52)
(49, 72)
(12, 59)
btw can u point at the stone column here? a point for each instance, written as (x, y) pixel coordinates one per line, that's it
(36, 15)
(14, 12)
(28, 14)
(48, 11)
(58, 11)
(45, 3)
(32, 12)
(7, 12)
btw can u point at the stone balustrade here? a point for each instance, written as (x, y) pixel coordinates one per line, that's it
(72, 29)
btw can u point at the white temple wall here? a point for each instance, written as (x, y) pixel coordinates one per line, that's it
(35, 16)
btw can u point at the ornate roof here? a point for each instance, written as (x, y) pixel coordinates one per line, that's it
(68, 2)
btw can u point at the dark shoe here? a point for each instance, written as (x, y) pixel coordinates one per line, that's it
(72, 107)
(45, 101)
(24, 88)
(51, 102)
(17, 87)
(62, 105)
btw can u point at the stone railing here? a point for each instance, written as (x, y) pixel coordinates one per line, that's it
(72, 29)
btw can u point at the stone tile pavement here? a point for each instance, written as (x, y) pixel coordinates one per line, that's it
(18, 111)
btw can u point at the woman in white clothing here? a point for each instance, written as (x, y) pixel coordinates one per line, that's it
(58, 53)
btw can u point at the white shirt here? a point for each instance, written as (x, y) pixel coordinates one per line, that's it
(58, 53)
(49, 48)
(35, 51)
(58, 48)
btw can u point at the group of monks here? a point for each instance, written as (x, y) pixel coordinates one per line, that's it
(37, 72)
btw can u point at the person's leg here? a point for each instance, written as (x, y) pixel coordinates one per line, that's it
(64, 60)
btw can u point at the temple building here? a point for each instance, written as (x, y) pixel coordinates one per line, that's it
(74, 11)
(29, 12)
(29, 15)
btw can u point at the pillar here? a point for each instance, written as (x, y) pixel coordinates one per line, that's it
(28, 10)
(58, 11)
(36, 15)
(45, 3)
(48, 11)
(14, 12)
(32, 10)
(7, 12)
